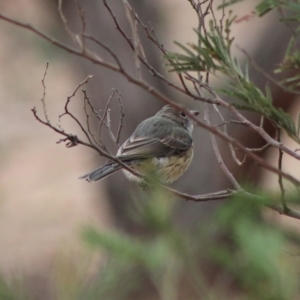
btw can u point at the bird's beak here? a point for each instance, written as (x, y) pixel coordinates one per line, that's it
(195, 112)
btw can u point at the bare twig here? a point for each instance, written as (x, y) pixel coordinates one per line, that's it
(74, 140)
(232, 150)
(266, 75)
(104, 116)
(121, 114)
(262, 120)
(221, 195)
(264, 147)
(110, 131)
(105, 47)
(96, 139)
(194, 5)
(81, 40)
(218, 154)
(280, 181)
(288, 25)
(104, 119)
(65, 21)
(116, 137)
(222, 17)
(44, 93)
(287, 212)
(137, 46)
(67, 111)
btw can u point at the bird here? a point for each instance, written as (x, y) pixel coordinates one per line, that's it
(161, 145)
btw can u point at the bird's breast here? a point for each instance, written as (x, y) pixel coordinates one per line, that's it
(171, 168)
(167, 169)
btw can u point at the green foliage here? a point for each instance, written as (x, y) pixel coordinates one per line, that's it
(163, 256)
(175, 263)
(6, 293)
(261, 264)
(212, 54)
(266, 6)
(11, 290)
(228, 3)
(237, 254)
(115, 280)
(289, 12)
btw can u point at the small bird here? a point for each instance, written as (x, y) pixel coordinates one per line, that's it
(162, 145)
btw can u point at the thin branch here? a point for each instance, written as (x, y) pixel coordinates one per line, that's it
(104, 116)
(266, 146)
(86, 101)
(110, 131)
(65, 21)
(216, 149)
(221, 195)
(222, 17)
(67, 112)
(262, 120)
(280, 181)
(121, 114)
(81, 13)
(194, 5)
(266, 75)
(44, 93)
(137, 46)
(105, 47)
(152, 37)
(74, 140)
(288, 25)
(232, 150)
(286, 212)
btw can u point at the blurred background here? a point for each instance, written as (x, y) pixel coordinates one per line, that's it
(43, 205)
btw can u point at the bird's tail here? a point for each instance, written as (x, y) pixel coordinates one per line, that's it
(102, 172)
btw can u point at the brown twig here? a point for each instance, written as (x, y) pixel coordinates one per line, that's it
(265, 74)
(65, 21)
(86, 101)
(280, 181)
(218, 155)
(107, 48)
(121, 114)
(104, 116)
(83, 26)
(74, 140)
(67, 111)
(108, 123)
(137, 46)
(44, 93)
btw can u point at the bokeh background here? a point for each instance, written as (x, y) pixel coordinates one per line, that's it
(43, 204)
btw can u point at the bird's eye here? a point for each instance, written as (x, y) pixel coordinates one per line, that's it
(183, 114)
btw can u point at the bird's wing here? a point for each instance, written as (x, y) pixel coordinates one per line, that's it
(164, 143)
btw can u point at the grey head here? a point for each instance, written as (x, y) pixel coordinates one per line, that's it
(178, 116)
